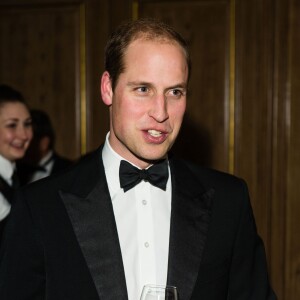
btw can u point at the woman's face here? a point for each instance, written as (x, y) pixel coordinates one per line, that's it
(15, 130)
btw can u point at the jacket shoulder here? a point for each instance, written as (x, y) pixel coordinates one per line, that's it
(206, 175)
(81, 176)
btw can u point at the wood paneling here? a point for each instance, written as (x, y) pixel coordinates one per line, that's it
(36, 60)
(253, 111)
(97, 30)
(278, 262)
(53, 54)
(293, 165)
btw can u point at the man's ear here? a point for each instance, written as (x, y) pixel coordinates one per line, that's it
(106, 89)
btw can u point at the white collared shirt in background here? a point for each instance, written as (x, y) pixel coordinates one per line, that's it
(142, 216)
(48, 165)
(6, 172)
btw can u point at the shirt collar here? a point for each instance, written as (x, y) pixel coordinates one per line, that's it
(46, 158)
(111, 162)
(6, 168)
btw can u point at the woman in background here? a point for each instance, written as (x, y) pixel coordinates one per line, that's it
(15, 137)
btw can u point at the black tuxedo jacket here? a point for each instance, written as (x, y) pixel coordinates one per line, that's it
(61, 241)
(60, 164)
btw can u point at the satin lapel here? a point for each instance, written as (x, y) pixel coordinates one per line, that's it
(94, 225)
(190, 218)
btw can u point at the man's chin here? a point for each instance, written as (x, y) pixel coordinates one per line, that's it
(152, 158)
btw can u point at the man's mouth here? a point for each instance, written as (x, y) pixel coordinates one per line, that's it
(154, 133)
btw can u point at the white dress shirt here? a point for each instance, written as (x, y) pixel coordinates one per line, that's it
(6, 172)
(142, 216)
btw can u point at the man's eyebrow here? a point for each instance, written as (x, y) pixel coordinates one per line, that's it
(136, 83)
(182, 85)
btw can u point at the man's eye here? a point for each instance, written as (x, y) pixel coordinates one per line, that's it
(142, 89)
(176, 93)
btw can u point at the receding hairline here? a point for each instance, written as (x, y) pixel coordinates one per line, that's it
(144, 36)
(155, 37)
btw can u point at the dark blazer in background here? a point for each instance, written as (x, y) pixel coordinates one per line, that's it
(61, 241)
(25, 171)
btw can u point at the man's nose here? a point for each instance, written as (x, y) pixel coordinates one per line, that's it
(159, 108)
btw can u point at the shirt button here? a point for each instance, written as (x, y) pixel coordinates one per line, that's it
(146, 244)
(144, 202)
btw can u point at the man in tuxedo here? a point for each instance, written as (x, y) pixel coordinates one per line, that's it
(90, 234)
(41, 159)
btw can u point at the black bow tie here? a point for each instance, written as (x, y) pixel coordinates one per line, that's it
(130, 176)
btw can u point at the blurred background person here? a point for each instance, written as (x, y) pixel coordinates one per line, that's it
(41, 159)
(15, 137)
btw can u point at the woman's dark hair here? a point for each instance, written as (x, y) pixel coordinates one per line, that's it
(42, 126)
(9, 94)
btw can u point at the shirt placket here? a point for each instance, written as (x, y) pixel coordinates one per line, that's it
(147, 264)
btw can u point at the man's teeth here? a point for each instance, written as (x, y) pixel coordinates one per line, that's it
(154, 133)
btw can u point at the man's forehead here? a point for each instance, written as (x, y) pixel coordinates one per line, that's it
(146, 42)
(155, 39)
(136, 49)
